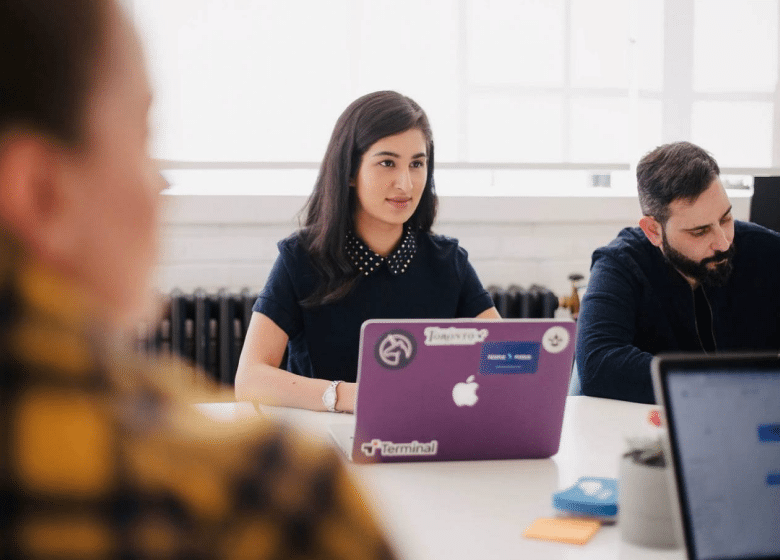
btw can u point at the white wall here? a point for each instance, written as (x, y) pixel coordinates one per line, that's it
(215, 241)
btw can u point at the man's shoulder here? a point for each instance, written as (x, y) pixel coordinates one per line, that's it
(750, 234)
(631, 256)
(631, 243)
(757, 251)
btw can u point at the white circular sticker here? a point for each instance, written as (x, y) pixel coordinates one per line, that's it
(555, 340)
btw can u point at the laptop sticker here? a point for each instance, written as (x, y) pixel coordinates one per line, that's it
(454, 336)
(769, 433)
(509, 357)
(395, 349)
(390, 449)
(555, 340)
(465, 394)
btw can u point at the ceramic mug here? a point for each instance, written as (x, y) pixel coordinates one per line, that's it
(645, 507)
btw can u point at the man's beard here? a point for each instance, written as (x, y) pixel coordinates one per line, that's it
(699, 271)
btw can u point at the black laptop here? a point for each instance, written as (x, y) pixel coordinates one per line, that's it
(723, 418)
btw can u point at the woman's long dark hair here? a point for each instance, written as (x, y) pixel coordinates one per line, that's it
(331, 206)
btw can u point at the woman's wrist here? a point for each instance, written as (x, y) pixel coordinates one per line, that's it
(330, 396)
(345, 397)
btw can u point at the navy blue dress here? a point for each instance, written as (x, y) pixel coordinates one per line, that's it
(438, 282)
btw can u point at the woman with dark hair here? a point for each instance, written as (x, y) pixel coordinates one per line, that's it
(101, 456)
(366, 251)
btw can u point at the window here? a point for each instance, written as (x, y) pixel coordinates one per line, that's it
(734, 80)
(587, 85)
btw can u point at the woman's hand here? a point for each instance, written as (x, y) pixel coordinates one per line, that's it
(259, 377)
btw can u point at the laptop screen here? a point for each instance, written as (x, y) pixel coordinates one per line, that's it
(724, 422)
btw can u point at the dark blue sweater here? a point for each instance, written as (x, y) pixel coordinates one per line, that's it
(637, 306)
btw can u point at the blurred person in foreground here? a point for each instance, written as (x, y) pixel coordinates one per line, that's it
(98, 460)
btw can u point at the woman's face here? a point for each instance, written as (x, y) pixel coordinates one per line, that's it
(112, 185)
(390, 181)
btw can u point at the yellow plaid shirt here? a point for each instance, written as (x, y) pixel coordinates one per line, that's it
(99, 460)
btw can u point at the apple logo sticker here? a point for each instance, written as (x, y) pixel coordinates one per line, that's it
(465, 394)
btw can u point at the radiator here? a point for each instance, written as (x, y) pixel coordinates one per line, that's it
(517, 302)
(208, 329)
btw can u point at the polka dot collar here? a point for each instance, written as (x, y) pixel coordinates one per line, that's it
(367, 261)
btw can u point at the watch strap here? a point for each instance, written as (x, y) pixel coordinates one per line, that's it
(330, 396)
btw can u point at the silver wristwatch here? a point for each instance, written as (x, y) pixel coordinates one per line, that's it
(329, 397)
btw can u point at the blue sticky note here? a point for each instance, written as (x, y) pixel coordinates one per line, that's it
(509, 357)
(589, 496)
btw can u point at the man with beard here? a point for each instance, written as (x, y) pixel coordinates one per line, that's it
(689, 279)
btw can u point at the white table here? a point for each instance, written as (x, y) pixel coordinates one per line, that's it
(479, 509)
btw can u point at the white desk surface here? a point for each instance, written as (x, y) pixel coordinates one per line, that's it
(479, 509)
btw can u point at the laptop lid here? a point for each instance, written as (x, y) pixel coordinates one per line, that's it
(461, 389)
(723, 419)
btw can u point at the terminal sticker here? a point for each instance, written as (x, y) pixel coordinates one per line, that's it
(389, 449)
(509, 357)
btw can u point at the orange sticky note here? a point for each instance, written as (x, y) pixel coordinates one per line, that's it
(563, 529)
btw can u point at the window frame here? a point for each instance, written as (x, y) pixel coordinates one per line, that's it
(677, 98)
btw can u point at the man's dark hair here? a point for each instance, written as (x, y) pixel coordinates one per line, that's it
(48, 55)
(680, 170)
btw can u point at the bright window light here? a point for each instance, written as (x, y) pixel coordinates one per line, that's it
(507, 84)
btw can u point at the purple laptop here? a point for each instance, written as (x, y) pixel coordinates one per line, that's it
(462, 389)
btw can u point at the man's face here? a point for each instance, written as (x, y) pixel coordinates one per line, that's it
(697, 239)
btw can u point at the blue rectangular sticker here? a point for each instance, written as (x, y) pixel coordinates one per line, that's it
(509, 357)
(769, 432)
(773, 479)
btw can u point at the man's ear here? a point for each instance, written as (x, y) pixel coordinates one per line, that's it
(653, 230)
(29, 198)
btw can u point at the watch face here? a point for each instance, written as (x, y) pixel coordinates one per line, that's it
(330, 397)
